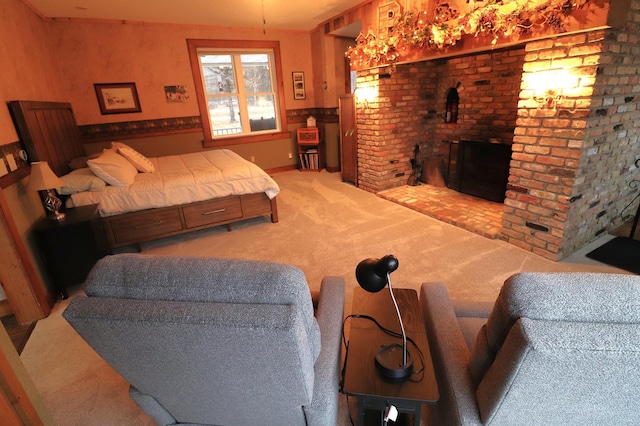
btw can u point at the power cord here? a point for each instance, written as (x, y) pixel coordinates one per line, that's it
(390, 410)
(397, 334)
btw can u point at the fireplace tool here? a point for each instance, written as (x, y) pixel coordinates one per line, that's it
(633, 184)
(414, 179)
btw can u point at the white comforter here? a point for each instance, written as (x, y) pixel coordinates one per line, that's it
(181, 179)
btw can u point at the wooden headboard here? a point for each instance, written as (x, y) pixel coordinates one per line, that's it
(49, 132)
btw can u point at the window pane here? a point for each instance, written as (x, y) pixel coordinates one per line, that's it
(262, 112)
(256, 73)
(225, 115)
(218, 74)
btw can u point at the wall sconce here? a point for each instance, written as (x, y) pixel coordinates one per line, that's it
(548, 86)
(550, 99)
(365, 96)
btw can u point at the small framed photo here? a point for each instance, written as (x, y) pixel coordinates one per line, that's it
(298, 85)
(176, 93)
(117, 98)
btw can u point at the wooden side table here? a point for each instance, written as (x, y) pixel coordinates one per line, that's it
(70, 247)
(362, 380)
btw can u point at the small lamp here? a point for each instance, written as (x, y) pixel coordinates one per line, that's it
(392, 361)
(42, 178)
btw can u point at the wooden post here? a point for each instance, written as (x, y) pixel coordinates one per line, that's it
(27, 297)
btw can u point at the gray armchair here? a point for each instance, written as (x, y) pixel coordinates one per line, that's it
(555, 349)
(216, 341)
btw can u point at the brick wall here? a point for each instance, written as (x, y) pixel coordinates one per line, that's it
(488, 86)
(571, 164)
(410, 110)
(391, 126)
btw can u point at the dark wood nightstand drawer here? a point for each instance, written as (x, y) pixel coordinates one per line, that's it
(214, 211)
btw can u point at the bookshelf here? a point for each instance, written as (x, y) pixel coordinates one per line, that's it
(309, 149)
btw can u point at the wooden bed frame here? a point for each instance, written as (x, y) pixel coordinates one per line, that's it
(50, 133)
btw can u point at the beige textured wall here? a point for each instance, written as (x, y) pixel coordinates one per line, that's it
(29, 72)
(154, 56)
(268, 155)
(29, 64)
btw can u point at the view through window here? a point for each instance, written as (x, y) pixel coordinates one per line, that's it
(239, 90)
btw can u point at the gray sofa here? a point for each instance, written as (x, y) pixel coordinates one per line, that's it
(216, 341)
(555, 349)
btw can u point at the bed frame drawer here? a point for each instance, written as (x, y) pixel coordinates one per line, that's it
(214, 211)
(145, 225)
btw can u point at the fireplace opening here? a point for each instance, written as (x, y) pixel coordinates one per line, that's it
(480, 169)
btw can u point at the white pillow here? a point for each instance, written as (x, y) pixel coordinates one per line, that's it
(116, 145)
(113, 168)
(80, 180)
(142, 163)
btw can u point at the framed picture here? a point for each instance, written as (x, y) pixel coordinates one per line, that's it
(117, 98)
(176, 93)
(298, 85)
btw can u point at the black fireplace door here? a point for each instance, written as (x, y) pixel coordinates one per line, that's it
(481, 169)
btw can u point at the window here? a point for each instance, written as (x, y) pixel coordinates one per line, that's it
(451, 109)
(238, 89)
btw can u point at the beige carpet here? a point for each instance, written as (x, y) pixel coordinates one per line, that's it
(326, 227)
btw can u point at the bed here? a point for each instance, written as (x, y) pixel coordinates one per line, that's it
(163, 196)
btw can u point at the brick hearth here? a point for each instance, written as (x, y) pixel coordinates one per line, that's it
(464, 211)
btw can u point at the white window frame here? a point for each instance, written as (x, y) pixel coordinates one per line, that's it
(235, 48)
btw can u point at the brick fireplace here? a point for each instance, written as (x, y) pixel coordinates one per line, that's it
(571, 161)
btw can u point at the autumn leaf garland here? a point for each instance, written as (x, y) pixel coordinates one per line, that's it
(446, 26)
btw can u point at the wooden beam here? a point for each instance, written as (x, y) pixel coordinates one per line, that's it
(20, 404)
(27, 297)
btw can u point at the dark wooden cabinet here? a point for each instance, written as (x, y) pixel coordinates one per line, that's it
(70, 247)
(348, 139)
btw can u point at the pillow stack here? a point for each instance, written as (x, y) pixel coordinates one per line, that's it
(117, 166)
(140, 162)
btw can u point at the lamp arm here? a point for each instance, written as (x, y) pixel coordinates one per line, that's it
(404, 335)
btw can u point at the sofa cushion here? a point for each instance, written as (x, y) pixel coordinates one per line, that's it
(175, 350)
(555, 296)
(190, 279)
(481, 356)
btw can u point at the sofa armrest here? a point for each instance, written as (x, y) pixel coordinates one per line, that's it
(323, 409)
(457, 404)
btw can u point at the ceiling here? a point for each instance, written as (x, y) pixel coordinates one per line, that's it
(277, 14)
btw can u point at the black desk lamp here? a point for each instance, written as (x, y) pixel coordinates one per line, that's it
(393, 361)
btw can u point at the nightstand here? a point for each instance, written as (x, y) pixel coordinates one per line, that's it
(70, 247)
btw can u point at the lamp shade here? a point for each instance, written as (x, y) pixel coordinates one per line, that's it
(372, 273)
(42, 177)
